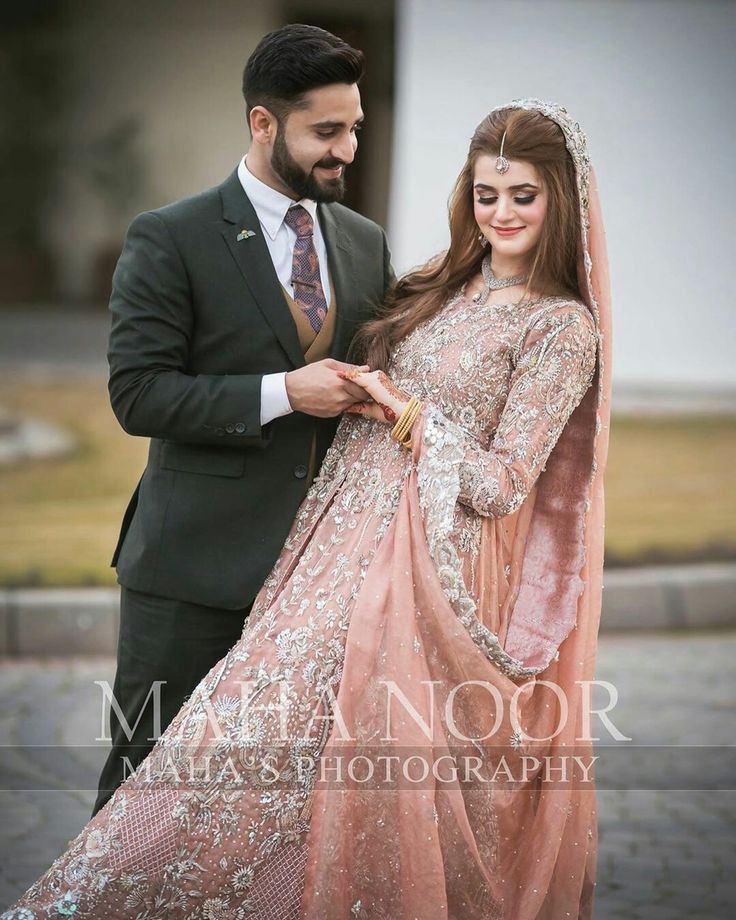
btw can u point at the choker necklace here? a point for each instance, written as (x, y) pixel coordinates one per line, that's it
(492, 283)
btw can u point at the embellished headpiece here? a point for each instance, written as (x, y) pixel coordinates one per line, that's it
(577, 146)
(502, 164)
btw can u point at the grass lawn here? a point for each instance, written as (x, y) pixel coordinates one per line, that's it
(669, 489)
(60, 518)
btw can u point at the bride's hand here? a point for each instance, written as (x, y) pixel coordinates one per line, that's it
(386, 402)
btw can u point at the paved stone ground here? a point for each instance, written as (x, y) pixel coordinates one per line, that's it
(665, 854)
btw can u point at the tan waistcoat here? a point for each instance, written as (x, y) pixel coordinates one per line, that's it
(315, 346)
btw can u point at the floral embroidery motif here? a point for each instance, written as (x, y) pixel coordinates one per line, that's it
(202, 830)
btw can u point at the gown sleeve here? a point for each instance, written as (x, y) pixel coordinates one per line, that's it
(553, 366)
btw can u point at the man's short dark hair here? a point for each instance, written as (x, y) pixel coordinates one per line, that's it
(293, 60)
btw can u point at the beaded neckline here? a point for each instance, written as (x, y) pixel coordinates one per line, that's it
(462, 295)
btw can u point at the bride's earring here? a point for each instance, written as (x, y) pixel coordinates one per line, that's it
(482, 239)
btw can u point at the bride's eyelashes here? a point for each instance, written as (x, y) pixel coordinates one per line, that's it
(527, 199)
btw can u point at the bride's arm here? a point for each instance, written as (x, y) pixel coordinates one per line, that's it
(553, 369)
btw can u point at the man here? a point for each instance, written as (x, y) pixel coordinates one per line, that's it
(232, 314)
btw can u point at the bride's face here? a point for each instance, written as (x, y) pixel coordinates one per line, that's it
(510, 208)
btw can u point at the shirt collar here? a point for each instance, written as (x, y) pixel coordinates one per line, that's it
(271, 206)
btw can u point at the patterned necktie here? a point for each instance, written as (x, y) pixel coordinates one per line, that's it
(308, 292)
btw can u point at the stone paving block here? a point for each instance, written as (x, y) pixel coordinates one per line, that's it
(610, 909)
(3, 624)
(664, 912)
(677, 597)
(62, 623)
(724, 905)
(617, 842)
(711, 598)
(631, 903)
(623, 604)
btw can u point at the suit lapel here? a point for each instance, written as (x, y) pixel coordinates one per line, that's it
(342, 272)
(254, 261)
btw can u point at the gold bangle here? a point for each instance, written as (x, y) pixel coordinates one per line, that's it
(413, 408)
(405, 420)
(406, 441)
(413, 416)
(401, 431)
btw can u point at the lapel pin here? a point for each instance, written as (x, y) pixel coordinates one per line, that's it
(245, 234)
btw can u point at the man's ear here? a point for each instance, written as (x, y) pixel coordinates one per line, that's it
(263, 124)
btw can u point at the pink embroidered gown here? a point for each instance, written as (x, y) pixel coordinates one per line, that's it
(455, 574)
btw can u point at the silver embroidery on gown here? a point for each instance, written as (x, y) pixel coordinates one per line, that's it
(202, 830)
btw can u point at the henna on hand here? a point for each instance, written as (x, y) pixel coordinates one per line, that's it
(352, 374)
(388, 413)
(379, 379)
(391, 387)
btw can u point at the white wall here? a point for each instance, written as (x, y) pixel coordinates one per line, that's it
(176, 68)
(652, 82)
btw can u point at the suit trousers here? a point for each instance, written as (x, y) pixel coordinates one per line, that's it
(160, 639)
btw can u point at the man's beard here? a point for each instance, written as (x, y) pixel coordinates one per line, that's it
(304, 184)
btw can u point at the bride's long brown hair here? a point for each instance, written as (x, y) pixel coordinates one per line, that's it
(416, 297)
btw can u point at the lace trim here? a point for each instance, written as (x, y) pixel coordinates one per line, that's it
(438, 475)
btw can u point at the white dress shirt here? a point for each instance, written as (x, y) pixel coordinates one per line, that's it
(271, 207)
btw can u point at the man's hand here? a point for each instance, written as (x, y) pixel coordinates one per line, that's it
(317, 389)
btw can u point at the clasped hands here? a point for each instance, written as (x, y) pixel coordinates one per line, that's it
(327, 388)
(385, 401)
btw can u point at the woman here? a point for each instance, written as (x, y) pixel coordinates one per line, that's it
(367, 748)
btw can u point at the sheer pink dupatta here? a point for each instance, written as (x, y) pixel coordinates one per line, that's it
(499, 841)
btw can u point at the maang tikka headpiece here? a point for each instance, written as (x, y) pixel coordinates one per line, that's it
(502, 164)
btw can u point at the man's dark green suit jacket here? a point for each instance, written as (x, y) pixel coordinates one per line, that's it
(198, 317)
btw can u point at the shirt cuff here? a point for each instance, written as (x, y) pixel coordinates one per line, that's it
(274, 398)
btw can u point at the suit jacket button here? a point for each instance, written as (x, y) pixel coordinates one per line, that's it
(240, 428)
(300, 471)
(230, 429)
